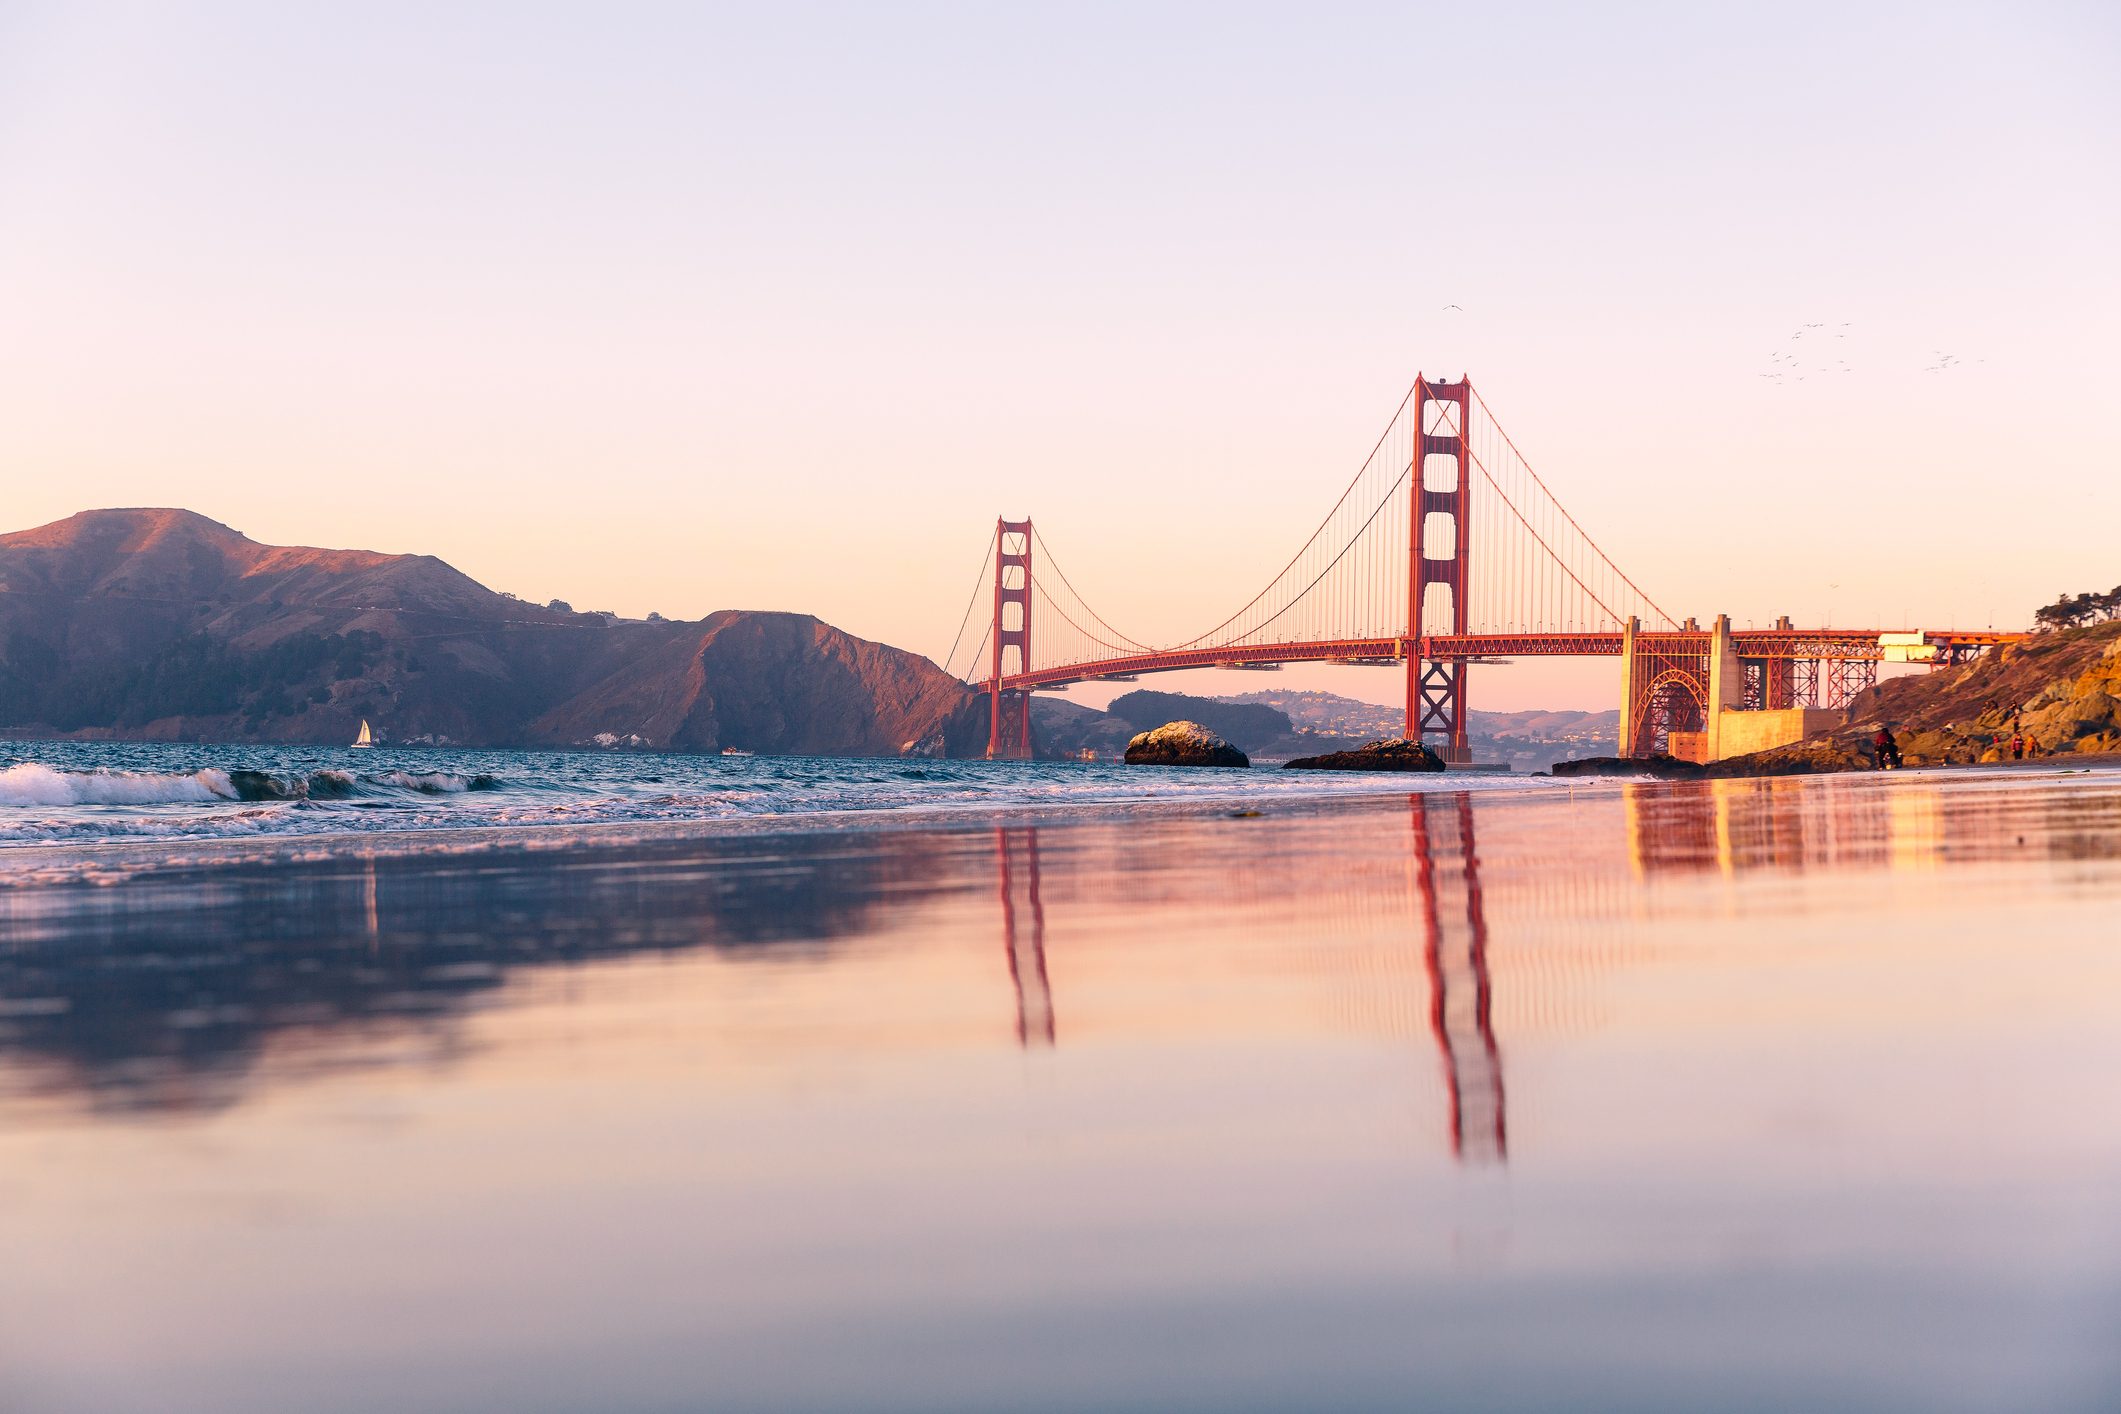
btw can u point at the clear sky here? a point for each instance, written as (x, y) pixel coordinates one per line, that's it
(680, 308)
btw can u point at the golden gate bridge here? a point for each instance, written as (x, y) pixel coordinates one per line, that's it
(1445, 550)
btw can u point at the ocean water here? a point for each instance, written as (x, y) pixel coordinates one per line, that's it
(76, 793)
(1741, 1095)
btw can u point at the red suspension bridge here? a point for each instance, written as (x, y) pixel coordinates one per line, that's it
(1445, 550)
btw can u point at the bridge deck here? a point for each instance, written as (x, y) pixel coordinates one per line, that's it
(1826, 644)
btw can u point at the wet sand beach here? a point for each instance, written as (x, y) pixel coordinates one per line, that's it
(1752, 1094)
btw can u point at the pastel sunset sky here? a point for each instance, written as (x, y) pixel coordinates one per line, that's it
(684, 308)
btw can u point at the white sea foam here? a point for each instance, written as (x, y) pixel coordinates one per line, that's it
(32, 784)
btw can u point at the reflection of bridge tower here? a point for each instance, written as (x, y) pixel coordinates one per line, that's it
(1017, 850)
(1437, 545)
(1460, 993)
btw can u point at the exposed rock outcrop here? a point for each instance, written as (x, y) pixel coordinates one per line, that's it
(2058, 691)
(1398, 754)
(1183, 744)
(1817, 756)
(1664, 767)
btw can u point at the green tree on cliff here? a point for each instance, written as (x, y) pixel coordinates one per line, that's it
(2069, 611)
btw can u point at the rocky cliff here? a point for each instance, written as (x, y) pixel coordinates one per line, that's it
(2060, 691)
(162, 624)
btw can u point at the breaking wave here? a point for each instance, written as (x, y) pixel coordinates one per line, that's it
(34, 783)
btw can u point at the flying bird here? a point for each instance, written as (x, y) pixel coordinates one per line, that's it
(1449, 307)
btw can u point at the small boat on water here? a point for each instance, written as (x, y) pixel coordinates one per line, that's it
(366, 738)
(735, 751)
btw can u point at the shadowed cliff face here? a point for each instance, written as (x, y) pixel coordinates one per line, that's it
(162, 624)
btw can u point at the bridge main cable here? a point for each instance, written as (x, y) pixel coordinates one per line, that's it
(1540, 482)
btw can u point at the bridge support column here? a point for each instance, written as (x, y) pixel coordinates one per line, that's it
(1436, 704)
(1437, 546)
(1009, 709)
(1848, 678)
(1726, 683)
(1629, 688)
(1778, 680)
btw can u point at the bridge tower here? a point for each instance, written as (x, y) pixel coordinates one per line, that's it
(1009, 711)
(1437, 549)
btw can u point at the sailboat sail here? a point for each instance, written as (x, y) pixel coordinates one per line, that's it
(366, 738)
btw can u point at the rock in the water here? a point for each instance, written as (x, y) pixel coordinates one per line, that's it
(1668, 767)
(1812, 757)
(1399, 754)
(1183, 744)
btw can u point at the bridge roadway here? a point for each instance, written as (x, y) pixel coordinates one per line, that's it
(1822, 644)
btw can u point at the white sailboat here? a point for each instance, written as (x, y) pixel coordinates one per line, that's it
(366, 738)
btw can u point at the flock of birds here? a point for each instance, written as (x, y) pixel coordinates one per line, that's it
(1786, 363)
(1785, 367)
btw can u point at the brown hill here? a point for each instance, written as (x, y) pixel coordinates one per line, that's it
(165, 624)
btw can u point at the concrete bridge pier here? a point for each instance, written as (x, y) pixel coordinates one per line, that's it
(1627, 686)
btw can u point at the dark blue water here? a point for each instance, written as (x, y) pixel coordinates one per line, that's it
(75, 792)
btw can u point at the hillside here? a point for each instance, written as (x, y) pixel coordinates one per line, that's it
(163, 624)
(1238, 722)
(1527, 741)
(1264, 734)
(1276, 725)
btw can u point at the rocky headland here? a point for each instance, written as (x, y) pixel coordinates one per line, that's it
(165, 625)
(2058, 692)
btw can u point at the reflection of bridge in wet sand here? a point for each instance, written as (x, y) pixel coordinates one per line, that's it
(1025, 942)
(1431, 937)
(1451, 915)
(1379, 919)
